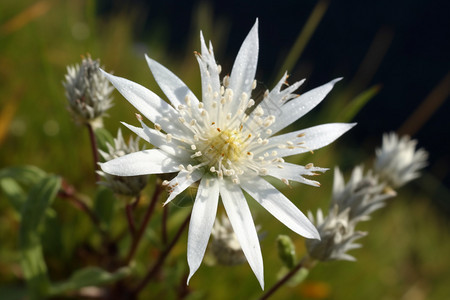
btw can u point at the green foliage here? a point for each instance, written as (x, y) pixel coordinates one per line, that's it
(32, 261)
(286, 251)
(105, 206)
(90, 276)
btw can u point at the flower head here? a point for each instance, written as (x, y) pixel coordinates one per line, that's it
(128, 185)
(225, 246)
(227, 143)
(398, 161)
(88, 91)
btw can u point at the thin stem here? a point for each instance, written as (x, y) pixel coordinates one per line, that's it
(162, 257)
(130, 220)
(94, 149)
(164, 225)
(137, 238)
(68, 192)
(283, 280)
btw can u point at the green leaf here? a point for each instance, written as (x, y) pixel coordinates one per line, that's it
(286, 250)
(104, 205)
(33, 213)
(90, 276)
(27, 175)
(14, 192)
(103, 137)
(355, 105)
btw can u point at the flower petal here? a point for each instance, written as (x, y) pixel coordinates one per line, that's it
(201, 223)
(159, 140)
(144, 162)
(181, 182)
(172, 86)
(309, 139)
(242, 222)
(148, 103)
(244, 68)
(294, 172)
(298, 107)
(280, 207)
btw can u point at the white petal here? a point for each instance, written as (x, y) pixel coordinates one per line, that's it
(242, 222)
(310, 139)
(280, 207)
(295, 172)
(181, 182)
(201, 223)
(148, 103)
(298, 107)
(244, 67)
(159, 140)
(144, 162)
(172, 86)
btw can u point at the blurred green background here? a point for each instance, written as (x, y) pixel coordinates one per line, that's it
(396, 51)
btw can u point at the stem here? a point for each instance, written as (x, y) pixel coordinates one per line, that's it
(94, 149)
(283, 280)
(130, 220)
(164, 225)
(141, 230)
(68, 192)
(162, 257)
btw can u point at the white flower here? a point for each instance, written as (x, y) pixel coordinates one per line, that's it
(129, 185)
(397, 160)
(225, 246)
(88, 91)
(337, 233)
(227, 144)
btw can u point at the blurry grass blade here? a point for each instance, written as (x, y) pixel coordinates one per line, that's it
(14, 193)
(427, 108)
(103, 137)
(26, 16)
(355, 105)
(304, 37)
(33, 213)
(27, 175)
(90, 276)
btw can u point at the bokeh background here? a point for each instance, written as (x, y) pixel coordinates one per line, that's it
(397, 51)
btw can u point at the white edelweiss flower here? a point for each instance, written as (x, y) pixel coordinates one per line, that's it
(227, 145)
(398, 161)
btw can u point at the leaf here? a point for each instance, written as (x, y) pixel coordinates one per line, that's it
(14, 192)
(103, 137)
(90, 276)
(104, 205)
(27, 175)
(355, 105)
(33, 213)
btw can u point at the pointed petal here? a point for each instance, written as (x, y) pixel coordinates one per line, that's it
(244, 67)
(181, 182)
(307, 140)
(298, 107)
(242, 222)
(172, 86)
(148, 103)
(280, 207)
(144, 162)
(202, 221)
(159, 140)
(295, 172)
